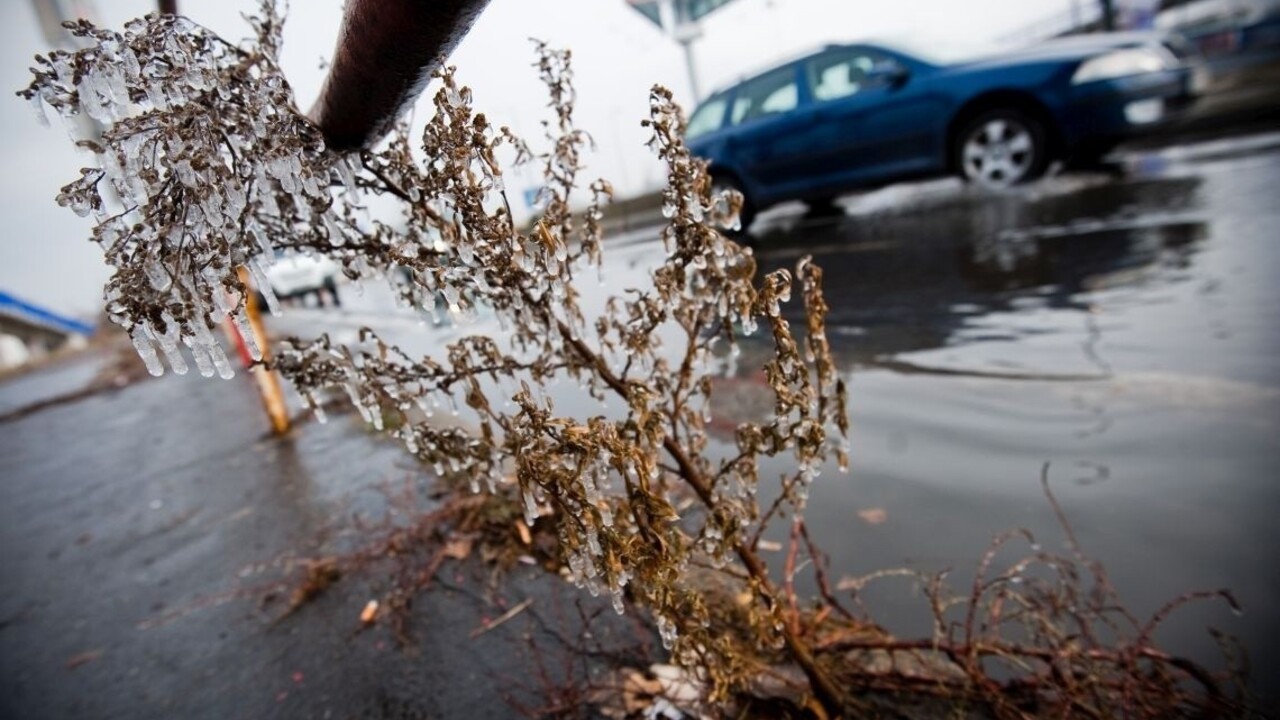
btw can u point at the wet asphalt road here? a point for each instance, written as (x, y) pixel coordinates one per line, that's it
(142, 530)
(1122, 329)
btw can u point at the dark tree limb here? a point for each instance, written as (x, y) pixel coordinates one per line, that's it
(386, 52)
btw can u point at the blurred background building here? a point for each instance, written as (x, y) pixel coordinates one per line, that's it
(29, 332)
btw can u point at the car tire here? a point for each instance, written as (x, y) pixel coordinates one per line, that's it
(1001, 148)
(747, 215)
(823, 207)
(331, 286)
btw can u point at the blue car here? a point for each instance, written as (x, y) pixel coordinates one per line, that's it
(857, 116)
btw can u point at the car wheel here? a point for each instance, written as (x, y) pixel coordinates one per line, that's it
(331, 286)
(823, 207)
(720, 183)
(1002, 148)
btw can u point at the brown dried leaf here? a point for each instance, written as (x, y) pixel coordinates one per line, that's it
(370, 612)
(459, 548)
(638, 690)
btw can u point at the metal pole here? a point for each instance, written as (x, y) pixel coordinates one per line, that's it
(50, 21)
(169, 7)
(52, 13)
(1108, 15)
(691, 66)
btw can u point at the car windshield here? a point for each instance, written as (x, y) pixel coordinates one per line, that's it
(937, 51)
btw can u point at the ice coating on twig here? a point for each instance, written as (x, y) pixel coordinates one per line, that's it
(202, 161)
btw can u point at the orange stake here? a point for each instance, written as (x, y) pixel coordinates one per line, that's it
(268, 384)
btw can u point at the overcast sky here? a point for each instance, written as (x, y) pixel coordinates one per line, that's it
(45, 256)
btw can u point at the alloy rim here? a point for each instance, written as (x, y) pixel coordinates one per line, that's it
(999, 153)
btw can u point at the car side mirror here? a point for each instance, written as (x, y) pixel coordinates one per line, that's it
(888, 73)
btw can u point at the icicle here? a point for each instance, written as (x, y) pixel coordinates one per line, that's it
(206, 340)
(91, 101)
(356, 400)
(336, 237)
(146, 351)
(220, 362)
(530, 509)
(222, 302)
(667, 630)
(169, 345)
(263, 241)
(593, 542)
(311, 186)
(258, 271)
(158, 275)
(346, 173)
(576, 567)
(37, 106)
(241, 320)
(200, 354)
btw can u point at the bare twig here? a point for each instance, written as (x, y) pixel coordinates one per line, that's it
(504, 617)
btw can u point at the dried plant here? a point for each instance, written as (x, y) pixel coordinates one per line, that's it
(209, 166)
(1042, 634)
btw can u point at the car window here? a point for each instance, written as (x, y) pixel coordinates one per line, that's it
(707, 118)
(769, 94)
(839, 73)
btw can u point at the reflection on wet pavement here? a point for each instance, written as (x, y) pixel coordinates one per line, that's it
(978, 272)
